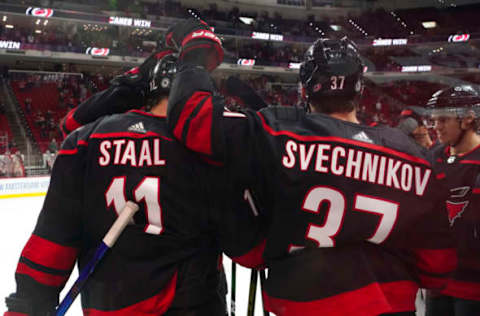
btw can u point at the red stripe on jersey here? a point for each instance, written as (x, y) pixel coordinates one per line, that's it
(68, 151)
(253, 258)
(41, 277)
(309, 138)
(49, 254)
(429, 282)
(14, 314)
(464, 290)
(470, 151)
(441, 176)
(400, 295)
(155, 305)
(73, 151)
(470, 162)
(200, 130)
(366, 301)
(212, 162)
(128, 135)
(476, 191)
(70, 123)
(437, 261)
(160, 55)
(187, 110)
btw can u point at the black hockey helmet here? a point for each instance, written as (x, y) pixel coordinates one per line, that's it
(455, 101)
(332, 68)
(161, 75)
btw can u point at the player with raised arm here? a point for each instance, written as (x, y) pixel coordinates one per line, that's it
(455, 112)
(355, 222)
(127, 91)
(167, 262)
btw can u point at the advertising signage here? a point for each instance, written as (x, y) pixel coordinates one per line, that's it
(459, 38)
(119, 20)
(96, 51)
(9, 45)
(389, 41)
(39, 12)
(267, 36)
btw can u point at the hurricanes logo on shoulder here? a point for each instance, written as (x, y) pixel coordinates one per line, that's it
(137, 128)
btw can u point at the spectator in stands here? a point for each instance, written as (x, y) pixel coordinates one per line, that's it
(18, 168)
(53, 146)
(28, 105)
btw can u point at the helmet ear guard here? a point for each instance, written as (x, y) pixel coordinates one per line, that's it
(161, 77)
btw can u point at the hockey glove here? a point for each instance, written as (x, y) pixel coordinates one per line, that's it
(138, 78)
(22, 306)
(196, 42)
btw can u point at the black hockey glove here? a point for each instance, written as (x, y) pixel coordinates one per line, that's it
(138, 78)
(18, 306)
(196, 42)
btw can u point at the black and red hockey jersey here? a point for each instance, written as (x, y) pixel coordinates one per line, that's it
(355, 218)
(168, 258)
(462, 175)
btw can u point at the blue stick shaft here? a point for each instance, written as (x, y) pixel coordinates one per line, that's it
(82, 278)
(124, 217)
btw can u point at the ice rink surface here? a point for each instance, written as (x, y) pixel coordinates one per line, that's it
(17, 220)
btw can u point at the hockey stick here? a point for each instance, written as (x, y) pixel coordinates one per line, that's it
(262, 282)
(252, 292)
(233, 289)
(108, 241)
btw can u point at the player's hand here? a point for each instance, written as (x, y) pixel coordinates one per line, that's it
(138, 77)
(196, 42)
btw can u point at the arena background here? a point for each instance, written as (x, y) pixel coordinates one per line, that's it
(55, 54)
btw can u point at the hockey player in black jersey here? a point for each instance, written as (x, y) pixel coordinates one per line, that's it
(167, 263)
(355, 225)
(455, 112)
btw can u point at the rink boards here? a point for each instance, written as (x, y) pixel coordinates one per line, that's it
(23, 187)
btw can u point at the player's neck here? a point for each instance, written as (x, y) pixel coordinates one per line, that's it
(160, 109)
(470, 141)
(346, 116)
